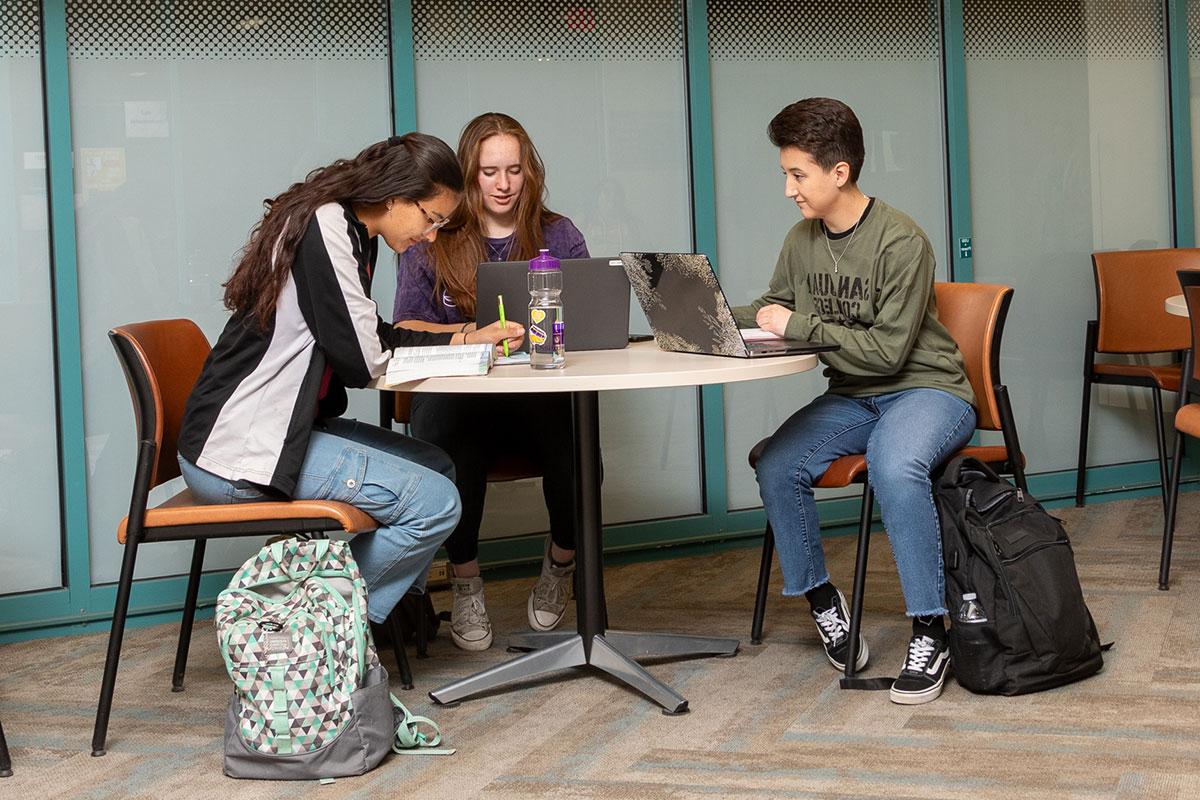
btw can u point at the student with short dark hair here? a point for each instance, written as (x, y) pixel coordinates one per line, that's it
(858, 273)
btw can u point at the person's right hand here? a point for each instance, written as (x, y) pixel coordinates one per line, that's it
(496, 334)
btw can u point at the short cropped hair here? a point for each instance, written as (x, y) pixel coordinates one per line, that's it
(825, 128)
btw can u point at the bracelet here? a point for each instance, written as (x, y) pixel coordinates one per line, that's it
(463, 329)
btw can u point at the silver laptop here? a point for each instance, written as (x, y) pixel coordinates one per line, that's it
(595, 299)
(688, 312)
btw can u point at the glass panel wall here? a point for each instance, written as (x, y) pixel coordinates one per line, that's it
(880, 58)
(601, 88)
(1069, 152)
(30, 523)
(185, 117)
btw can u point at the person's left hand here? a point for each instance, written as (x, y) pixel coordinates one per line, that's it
(773, 318)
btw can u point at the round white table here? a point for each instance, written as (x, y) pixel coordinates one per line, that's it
(1175, 304)
(639, 366)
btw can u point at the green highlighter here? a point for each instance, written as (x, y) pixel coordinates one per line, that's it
(503, 324)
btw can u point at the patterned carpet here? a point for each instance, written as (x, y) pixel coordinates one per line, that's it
(768, 723)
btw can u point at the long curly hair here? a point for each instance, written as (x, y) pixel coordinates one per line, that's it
(411, 167)
(459, 248)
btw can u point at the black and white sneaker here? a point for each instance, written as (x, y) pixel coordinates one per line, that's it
(834, 626)
(923, 673)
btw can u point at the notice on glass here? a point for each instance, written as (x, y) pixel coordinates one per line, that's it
(146, 119)
(102, 168)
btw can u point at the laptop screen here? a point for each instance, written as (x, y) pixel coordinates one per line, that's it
(684, 303)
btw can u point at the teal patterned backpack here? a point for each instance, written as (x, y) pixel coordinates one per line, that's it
(310, 697)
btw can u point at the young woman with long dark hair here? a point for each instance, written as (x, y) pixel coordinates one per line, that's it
(503, 217)
(263, 420)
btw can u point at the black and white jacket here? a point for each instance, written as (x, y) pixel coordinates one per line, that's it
(261, 391)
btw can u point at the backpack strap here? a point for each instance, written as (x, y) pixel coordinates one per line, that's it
(410, 739)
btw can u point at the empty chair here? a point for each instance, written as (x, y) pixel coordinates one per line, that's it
(1131, 287)
(974, 315)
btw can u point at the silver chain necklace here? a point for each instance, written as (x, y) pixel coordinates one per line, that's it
(500, 252)
(838, 258)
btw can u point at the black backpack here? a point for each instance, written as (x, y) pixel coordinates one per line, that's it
(1027, 628)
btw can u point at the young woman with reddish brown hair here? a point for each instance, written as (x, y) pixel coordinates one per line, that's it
(503, 217)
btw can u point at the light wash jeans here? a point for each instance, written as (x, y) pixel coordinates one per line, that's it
(407, 486)
(905, 435)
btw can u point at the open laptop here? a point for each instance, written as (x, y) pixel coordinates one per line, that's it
(595, 299)
(688, 312)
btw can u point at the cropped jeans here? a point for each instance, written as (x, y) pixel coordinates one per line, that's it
(407, 486)
(905, 435)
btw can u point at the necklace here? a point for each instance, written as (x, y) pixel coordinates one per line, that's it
(838, 258)
(499, 252)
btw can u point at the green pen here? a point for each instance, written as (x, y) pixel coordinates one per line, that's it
(503, 324)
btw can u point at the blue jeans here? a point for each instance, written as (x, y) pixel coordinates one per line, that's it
(905, 435)
(407, 486)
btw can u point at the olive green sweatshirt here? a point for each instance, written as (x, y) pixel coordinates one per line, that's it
(878, 305)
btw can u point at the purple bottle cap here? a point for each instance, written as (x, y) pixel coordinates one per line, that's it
(543, 262)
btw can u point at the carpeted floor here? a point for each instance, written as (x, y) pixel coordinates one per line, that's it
(768, 723)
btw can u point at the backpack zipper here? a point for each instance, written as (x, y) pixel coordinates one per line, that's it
(1030, 550)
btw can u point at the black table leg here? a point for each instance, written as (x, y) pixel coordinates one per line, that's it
(611, 652)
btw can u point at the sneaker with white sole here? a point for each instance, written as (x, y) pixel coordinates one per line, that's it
(834, 626)
(470, 628)
(924, 671)
(548, 600)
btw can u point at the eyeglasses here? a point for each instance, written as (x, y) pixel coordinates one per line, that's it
(434, 223)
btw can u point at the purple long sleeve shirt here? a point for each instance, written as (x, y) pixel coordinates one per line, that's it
(415, 297)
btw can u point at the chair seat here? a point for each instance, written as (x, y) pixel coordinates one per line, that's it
(1165, 376)
(844, 471)
(182, 510)
(512, 467)
(1187, 419)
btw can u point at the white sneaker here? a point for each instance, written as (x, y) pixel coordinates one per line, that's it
(470, 628)
(548, 600)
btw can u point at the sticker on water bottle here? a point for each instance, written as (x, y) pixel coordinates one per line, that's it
(559, 334)
(537, 335)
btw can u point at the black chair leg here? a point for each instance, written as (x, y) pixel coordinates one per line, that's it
(1164, 564)
(189, 615)
(1160, 439)
(860, 579)
(397, 633)
(1084, 414)
(115, 636)
(423, 615)
(5, 760)
(764, 583)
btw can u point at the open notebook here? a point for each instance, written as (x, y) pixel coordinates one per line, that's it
(415, 363)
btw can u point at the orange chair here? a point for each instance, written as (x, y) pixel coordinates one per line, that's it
(162, 360)
(1131, 287)
(974, 314)
(1187, 419)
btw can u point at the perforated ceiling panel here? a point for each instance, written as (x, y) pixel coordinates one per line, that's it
(20, 36)
(1040, 29)
(223, 30)
(578, 30)
(822, 30)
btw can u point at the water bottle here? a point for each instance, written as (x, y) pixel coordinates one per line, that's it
(546, 345)
(971, 612)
